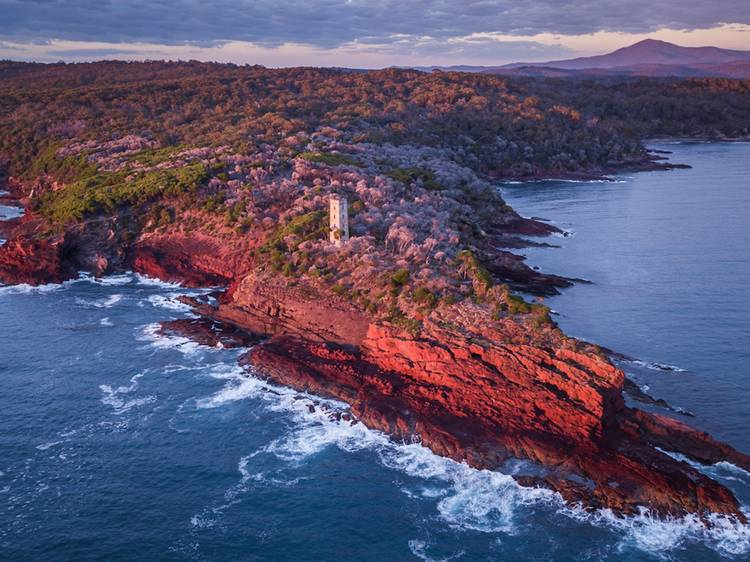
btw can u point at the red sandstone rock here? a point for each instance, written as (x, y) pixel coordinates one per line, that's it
(32, 261)
(192, 261)
(484, 404)
(488, 392)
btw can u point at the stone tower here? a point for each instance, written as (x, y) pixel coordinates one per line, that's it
(339, 219)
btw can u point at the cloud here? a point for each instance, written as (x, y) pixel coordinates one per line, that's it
(329, 24)
(94, 53)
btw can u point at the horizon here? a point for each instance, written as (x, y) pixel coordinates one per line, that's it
(353, 34)
(405, 66)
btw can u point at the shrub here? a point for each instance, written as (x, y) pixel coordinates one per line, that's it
(449, 299)
(307, 227)
(541, 315)
(330, 158)
(104, 193)
(476, 270)
(516, 305)
(399, 278)
(154, 156)
(397, 317)
(407, 176)
(424, 296)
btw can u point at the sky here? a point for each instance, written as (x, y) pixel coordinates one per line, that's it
(359, 33)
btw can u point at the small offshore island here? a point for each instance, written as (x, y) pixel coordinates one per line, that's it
(222, 176)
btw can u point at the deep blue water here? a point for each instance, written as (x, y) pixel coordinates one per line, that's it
(118, 444)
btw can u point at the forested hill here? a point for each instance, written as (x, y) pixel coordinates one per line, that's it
(497, 125)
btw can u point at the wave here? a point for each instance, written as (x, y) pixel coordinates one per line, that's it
(153, 282)
(169, 302)
(419, 549)
(26, 289)
(151, 334)
(466, 498)
(115, 397)
(564, 180)
(655, 366)
(107, 302)
(48, 445)
(110, 280)
(722, 470)
(107, 280)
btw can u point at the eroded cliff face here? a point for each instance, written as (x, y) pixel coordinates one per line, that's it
(415, 329)
(483, 392)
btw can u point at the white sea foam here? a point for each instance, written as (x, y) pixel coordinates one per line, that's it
(48, 445)
(150, 333)
(111, 280)
(25, 289)
(722, 470)
(419, 549)
(239, 387)
(107, 302)
(481, 500)
(662, 535)
(566, 233)
(656, 366)
(152, 282)
(466, 498)
(106, 322)
(169, 302)
(116, 397)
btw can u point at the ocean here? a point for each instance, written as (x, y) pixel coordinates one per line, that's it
(118, 443)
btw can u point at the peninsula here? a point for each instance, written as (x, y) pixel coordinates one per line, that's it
(224, 176)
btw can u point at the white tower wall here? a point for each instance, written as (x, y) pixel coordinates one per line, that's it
(339, 220)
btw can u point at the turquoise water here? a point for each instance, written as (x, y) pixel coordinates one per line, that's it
(117, 443)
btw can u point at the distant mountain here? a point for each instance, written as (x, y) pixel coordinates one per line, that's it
(649, 57)
(648, 52)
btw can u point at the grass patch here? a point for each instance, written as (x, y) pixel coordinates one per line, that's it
(154, 156)
(330, 158)
(104, 193)
(307, 227)
(67, 169)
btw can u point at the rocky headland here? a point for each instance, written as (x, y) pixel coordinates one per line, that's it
(425, 322)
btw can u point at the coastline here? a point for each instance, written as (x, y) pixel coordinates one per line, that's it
(469, 388)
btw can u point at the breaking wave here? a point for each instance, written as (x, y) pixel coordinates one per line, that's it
(653, 366)
(466, 498)
(117, 397)
(154, 338)
(153, 282)
(107, 302)
(168, 302)
(25, 289)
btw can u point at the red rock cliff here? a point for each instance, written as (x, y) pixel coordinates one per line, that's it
(484, 393)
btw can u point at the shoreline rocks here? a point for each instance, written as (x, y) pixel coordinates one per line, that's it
(484, 395)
